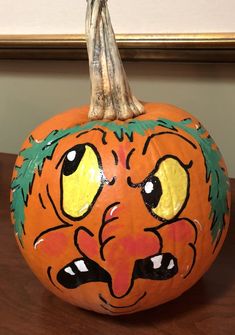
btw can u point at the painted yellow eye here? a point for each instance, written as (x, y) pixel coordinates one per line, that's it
(81, 179)
(165, 192)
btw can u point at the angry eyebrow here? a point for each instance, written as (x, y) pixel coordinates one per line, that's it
(146, 145)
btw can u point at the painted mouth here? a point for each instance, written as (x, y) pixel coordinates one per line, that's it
(159, 267)
(83, 270)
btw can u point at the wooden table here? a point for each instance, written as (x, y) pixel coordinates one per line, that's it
(26, 307)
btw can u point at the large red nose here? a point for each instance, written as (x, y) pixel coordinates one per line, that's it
(122, 253)
(122, 241)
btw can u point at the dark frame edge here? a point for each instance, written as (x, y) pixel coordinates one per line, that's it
(208, 47)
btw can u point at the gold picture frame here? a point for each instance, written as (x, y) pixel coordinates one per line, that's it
(202, 47)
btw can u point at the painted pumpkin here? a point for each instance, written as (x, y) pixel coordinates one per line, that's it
(119, 216)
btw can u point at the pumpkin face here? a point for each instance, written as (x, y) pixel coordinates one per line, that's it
(121, 216)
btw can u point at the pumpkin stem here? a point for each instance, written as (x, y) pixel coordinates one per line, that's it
(111, 97)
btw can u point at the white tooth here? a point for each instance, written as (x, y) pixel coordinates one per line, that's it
(81, 266)
(171, 265)
(69, 271)
(157, 261)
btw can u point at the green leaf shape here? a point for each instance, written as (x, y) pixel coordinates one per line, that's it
(35, 155)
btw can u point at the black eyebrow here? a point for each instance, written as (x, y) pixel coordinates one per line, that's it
(163, 133)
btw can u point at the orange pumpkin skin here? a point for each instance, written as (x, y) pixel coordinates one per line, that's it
(131, 247)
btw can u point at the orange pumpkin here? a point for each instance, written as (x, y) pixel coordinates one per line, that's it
(120, 216)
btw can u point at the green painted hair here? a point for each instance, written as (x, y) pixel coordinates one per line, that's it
(35, 155)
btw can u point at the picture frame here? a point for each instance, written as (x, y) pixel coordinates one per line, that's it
(183, 47)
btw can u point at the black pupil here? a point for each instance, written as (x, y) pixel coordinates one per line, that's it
(152, 192)
(72, 159)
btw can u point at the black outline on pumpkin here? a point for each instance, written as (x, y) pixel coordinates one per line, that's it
(49, 230)
(50, 277)
(98, 129)
(163, 133)
(79, 135)
(54, 207)
(119, 307)
(128, 159)
(157, 166)
(64, 225)
(194, 259)
(115, 157)
(192, 245)
(104, 223)
(102, 183)
(41, 201)
(154, 231)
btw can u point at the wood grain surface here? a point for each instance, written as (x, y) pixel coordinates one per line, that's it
(26, 307)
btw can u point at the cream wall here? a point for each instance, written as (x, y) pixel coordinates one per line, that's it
(128, 16)
(32, 91)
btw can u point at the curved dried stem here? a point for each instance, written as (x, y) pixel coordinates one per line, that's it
(111, 97)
